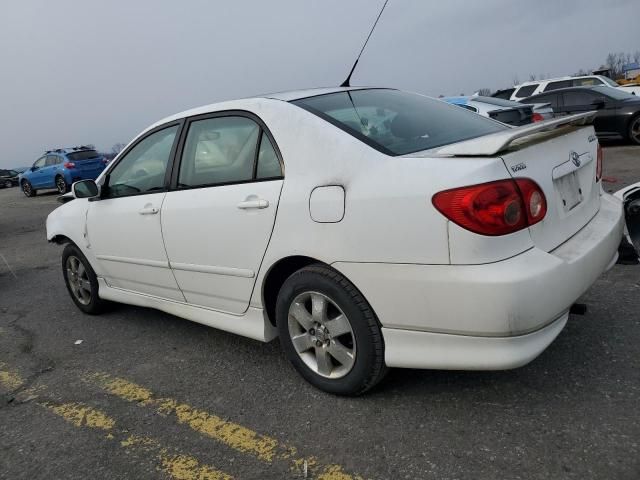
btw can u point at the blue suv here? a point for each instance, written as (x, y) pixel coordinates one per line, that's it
(60, 168)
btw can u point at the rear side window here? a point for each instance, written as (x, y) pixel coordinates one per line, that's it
(219, 150)
(527, 90)
(557, 85)
(268, 163)
(398, 123)
(504, 94)
(587, 82)
(52, 160)
(577, 99)
(82, 155)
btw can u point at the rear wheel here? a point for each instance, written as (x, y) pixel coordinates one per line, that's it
(61, 185)
(634, 130)
(27, 189)
(8, 184)
(329, 332)
(81, 280)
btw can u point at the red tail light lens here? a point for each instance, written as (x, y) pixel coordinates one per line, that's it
(69, 165)
(599, 164)
(494, 208)
(536, 117)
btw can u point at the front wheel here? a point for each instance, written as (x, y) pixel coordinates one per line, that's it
(81, 280)
(634, 130)
(27, 189)
(329, 332)
(8, 184)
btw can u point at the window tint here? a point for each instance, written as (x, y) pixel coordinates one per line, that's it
(587, 82)
(526, 90)
(504, 94)
(268, 163)
(553, 99)
(143, 168)
(40, 162)
(219, 150)
(397, 123)
(51, 160)
(82, 155)
(557, 85)
(577, 99)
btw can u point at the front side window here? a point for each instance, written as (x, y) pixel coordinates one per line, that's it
(398, 123)
(40, 162)
(527, 90)
(143, 168)
(219, 150)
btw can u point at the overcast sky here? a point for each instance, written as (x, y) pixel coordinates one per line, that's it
(85, 71)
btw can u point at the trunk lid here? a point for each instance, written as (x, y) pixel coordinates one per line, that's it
(563, 163)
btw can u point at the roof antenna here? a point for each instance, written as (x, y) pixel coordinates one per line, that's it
(346, 82)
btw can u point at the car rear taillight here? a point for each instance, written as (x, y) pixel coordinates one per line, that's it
(494, 208)
(536, 117)
(599, 164)
(69, 165)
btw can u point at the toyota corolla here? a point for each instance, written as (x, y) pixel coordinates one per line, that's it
(365, 228)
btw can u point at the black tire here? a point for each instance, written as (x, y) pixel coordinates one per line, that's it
(27, 189)
(633, 132)
(61, 185)
(94, 304)
(368, 366)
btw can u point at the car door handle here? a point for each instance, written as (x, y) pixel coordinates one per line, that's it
(148, 211)
(253, 203)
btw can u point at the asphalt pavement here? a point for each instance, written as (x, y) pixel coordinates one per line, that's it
(139, 394)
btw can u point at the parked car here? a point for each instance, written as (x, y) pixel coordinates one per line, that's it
(528, 89)
(8, 178)
(58, 169)
(618, 112)
(505, 111)
(630, 197)
(366, 228)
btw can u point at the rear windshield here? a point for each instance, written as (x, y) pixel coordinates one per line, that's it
(614, 93)
(82, 155)
(398, 123)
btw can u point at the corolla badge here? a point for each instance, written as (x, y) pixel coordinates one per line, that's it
(575, 158)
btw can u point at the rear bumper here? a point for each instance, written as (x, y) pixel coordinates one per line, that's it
(411, 349)
(516, 297)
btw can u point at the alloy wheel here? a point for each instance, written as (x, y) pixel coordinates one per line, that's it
(26, 188)
(78, 280)
(634, 131)
(321, 335)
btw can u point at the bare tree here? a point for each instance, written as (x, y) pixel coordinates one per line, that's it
(532, 77)
(484, 92)
(515, 80)
(636, 56)
(117, 148)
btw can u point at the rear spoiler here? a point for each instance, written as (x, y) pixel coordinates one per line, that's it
(496, 142)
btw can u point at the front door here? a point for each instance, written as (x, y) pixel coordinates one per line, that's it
(123, 226)
(37, 177)
(218, 221)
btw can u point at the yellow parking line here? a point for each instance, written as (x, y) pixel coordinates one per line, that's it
(236, 436)
(176, 465)
(9, 380)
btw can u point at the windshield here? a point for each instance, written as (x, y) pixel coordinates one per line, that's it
(615, 93)
(82, 155)
(608, 81)
(398, 123)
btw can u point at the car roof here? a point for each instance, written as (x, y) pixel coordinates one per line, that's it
(570, 89)
(556, 79)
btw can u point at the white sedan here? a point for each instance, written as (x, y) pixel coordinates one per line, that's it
(366, 228)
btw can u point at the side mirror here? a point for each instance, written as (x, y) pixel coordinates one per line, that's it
(85, 189)
(34, 168)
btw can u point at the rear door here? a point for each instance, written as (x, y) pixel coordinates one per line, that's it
(586, 101)
(218, 220)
